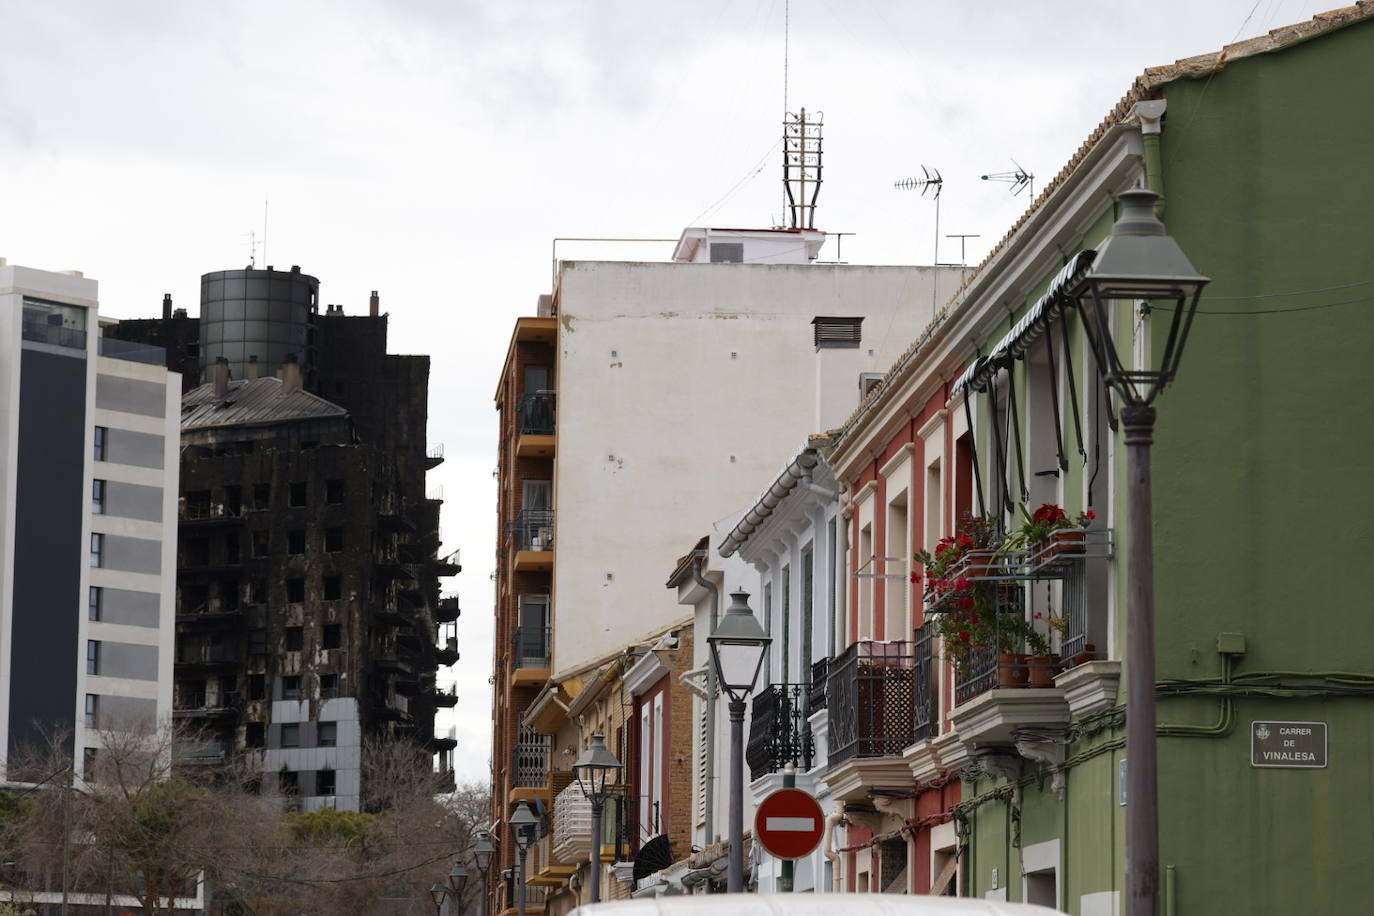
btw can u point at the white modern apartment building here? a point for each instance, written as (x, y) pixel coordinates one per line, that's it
(88, 491)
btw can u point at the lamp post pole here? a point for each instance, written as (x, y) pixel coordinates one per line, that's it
(520, 883)
(522, 824)
(594, 883)
(1142, 781)
(735, 880)
(482, 852)
(1140, 263)
(738, 646)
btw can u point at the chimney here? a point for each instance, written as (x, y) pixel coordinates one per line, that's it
(221, 377)
(166, 306)
(374, 304)
(251, 373)
(838, 361)
(290, 373)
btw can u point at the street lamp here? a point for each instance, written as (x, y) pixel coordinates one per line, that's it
(1139, 261)
(438, 892)
(738, 646)
(458, 879)
(482, 852)
(522, 824)
(593, 771)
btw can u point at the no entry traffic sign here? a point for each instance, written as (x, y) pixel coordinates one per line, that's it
(789, 823)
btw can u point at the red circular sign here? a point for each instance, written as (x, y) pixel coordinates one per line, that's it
(789, 824)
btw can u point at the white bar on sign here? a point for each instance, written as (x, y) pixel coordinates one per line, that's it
(793, 824)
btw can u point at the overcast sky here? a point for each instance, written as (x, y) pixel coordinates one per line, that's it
(432, 150)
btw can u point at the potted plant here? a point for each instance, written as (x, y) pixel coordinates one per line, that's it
(1050, 531)
(969, 553)
(1042, 662)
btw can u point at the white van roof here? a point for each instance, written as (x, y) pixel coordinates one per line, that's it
(809, 905)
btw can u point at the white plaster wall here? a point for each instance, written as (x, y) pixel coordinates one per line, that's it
(682, 389)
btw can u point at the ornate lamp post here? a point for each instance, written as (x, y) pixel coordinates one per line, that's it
(457, 883)
(738, 646)
(593, 771)
(1139, 261)
(482, 852)
(438, 892)
(522, 824)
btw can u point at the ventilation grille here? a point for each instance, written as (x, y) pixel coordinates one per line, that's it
(838, 332)
(727, 252)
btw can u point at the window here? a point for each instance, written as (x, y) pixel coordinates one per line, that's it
(262, 496)
(328, 734)
(231, 549)
(92, 705)
(88, 764)
(333, 636)
(333, 588)
(295, 590)
(295, 639)
(97, 550)
(727, 252)
(257, 686)
(94, 597)
(291, 736)
(297, 494)
(233, 501)
(101, 434)
(291, 687)
(334, 491)
(257, 642)
(324, 782)
(98, 497)
(333, 540)
(289, 780)
(261, 543)
(259, 591)
(808, 615)
(254, 734)
(92, 656)
(295, 542)
(55, 324)
(785, 658)
(329, 687)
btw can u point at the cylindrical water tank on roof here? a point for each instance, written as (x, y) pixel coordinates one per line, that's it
(262, 313)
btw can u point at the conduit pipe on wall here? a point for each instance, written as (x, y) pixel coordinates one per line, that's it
(1151, 113)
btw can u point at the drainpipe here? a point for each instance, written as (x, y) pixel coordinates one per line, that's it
(832, 820)
(1150, 114)
(697, 559)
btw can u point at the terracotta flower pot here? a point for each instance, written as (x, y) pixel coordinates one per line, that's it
(1041, 670)
(980, 564)
(1011, 670)
(1066, 540)
(1088, 654)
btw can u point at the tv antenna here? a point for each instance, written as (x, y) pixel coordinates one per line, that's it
(801, 167)
(1019, 180)
(930, 184)
(252, 249)
(963, 262)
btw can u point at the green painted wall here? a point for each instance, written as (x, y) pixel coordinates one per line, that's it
(1263, 509)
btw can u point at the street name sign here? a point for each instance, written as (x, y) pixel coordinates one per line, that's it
(1296, 745)
(789, 823)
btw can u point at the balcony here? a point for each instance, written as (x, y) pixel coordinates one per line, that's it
(530, 655)
(205, 513)
(48, 332)
(530, 766)
(871, 694)
(536, 425)
(450, 565)
(778, 731)
(434, 455)
(207, 656)
(446, 699)
(448, 653)
(197, 706)
(391, 662)
(448, 610)
(531, 535)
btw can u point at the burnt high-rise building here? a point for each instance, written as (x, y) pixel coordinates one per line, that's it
(308, 608)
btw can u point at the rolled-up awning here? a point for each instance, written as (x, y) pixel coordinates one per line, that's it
(1032, 325)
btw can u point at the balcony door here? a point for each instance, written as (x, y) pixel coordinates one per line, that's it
(536, 495)
(533, 641)
(538, 378)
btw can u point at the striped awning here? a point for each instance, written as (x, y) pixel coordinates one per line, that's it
(1032, 325)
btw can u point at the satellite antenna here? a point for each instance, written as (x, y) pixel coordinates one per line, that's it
(801, 167)
(1019, 180)
(930, 184)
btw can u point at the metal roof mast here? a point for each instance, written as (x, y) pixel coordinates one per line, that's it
(801, 167)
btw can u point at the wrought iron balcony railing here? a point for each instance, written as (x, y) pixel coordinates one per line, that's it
(537, 414)
(927, 685)
(530, 647)
(820, 669)
(980, 671)
(870, 690)
(778, 731)
(532, 529)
